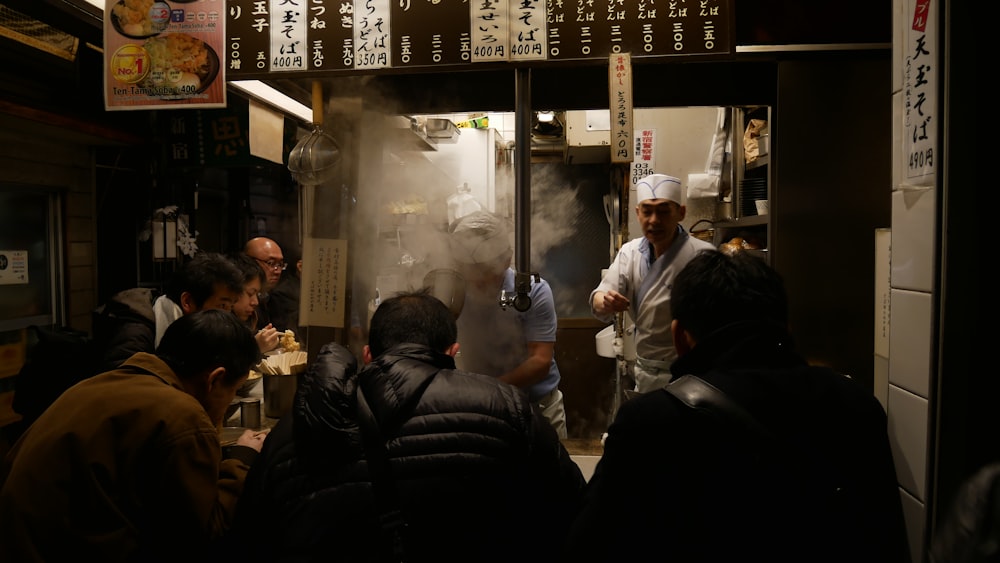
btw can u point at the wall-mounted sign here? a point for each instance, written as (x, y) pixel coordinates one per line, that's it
(324, 283)
(211, 137)
(644, 159)
(164, 54)
(13, 267)
(620, 94)
(920, 86)
(271, 36)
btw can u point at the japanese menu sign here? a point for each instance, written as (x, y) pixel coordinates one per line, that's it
(264, 37)
(920, 85)
(620, 94)
(164, 54)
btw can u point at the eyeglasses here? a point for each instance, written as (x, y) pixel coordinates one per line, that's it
(273, 264)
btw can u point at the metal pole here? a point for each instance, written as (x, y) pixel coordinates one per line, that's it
(522, 165)
(522, 189)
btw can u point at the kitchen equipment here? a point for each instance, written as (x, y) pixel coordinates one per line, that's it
(606, 338)
(314, 159)
(448, 286)
(703, 232)
(281, 377)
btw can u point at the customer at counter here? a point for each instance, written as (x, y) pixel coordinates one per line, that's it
(284, 298)
(268, 254)
(641, 274)
(245, 308)
(127, 465)
(766, 459)
(457, 466)
(135, 320)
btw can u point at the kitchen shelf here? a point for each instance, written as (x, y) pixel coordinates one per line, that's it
(748, 221)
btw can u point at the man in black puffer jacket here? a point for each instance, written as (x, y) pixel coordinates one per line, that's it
(477, 473)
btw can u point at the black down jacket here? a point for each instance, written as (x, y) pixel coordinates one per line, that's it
(480, 475)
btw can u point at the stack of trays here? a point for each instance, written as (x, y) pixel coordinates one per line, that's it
(751, 189)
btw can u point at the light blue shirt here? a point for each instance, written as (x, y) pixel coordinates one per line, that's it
(493, 341)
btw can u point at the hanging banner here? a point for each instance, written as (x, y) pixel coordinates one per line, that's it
(620, 96)
(920, 86)
(164, 54)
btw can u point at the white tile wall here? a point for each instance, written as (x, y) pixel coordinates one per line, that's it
(913, 514)
(910, 340)
(882, 381)
(913, 236)
(908, 438)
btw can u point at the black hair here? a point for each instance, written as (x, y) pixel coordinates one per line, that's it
(715, 290)
(415, 317)
(201, 275)
(207, 339)
(249, 267)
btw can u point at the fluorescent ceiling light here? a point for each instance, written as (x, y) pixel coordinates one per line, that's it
(265, 93)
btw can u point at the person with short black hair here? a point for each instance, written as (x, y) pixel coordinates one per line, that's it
(472, 471)
(135, 320)
(751, 454)
(127, 465)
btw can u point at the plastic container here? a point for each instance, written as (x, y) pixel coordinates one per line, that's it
(606, 342)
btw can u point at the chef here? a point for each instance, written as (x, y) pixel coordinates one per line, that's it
(641, 274)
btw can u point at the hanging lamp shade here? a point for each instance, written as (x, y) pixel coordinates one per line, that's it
(314, 159)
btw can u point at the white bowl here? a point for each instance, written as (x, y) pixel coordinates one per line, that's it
(605, 341)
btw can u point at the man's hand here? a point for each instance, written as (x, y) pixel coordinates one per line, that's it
(252, 439)
(611, 302)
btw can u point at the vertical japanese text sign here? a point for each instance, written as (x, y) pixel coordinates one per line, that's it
(920, 85)
(620, 96)
(324, 280)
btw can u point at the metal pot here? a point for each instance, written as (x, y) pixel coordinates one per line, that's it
(448, 286)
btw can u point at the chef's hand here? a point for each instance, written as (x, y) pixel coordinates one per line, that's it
(252, 439)
(614, 302)
(267, 338)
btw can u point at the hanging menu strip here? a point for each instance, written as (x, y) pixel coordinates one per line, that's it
(274, 36)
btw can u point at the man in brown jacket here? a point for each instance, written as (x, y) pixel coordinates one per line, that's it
(127, 465)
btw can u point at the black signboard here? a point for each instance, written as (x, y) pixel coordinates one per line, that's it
(442, 33)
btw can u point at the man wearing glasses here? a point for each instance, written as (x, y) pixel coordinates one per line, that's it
(268, 254)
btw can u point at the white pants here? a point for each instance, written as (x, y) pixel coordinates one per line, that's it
(554, 410)
(651, 375)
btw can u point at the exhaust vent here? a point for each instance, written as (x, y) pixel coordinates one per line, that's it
(18, 27)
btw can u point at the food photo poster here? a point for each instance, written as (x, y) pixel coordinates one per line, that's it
(164, 54)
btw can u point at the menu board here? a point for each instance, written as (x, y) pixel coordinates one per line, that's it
(164, 54)
(265, 37)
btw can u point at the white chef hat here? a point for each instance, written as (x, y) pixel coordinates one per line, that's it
(479, 237)
(658, 186)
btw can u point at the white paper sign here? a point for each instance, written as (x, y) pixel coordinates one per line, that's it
(324, 283)
(620, 95)
(13, 267)
(920, 86)
(490, 30)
